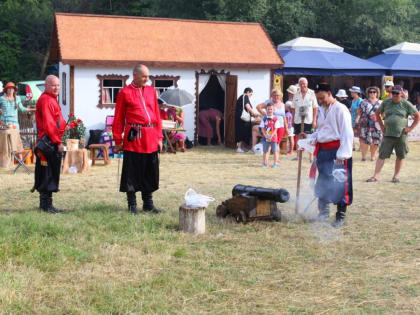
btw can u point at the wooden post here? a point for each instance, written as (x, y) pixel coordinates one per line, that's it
(300, 155)
(192, 220)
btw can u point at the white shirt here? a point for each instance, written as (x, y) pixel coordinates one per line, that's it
(335, 124)
(309, 101)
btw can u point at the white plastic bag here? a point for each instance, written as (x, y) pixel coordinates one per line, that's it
(194, 200)
(306, 144)
(73, 169)
(339, 175)
(258, 149)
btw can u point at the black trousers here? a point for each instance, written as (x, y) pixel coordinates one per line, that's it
(140, 172)
(47, 173)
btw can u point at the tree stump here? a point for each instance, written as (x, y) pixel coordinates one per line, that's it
(192, 220)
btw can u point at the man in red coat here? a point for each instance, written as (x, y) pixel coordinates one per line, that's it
(51, 126)
(137, 119)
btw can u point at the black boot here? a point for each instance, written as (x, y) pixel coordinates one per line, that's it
(43, 201)
(132, 202)
(148, 205)
(340, 216)
(324, 211)
(51, 208)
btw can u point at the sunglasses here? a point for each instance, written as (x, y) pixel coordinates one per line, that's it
(395, 93)
(372, 91)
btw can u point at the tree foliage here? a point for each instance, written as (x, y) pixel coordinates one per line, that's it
(362, 27)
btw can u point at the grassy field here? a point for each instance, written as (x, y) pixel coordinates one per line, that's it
(97, 258)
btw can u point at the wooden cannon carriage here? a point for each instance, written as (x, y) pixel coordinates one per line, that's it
(250, 203)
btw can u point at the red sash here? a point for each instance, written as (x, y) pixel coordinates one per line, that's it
(326, 146)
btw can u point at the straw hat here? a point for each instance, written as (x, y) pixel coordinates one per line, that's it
(10, 85)
(341, 93)
(292, 89)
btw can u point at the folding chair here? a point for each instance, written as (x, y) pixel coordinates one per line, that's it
(14, 155)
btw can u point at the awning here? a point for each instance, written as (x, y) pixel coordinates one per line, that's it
(314, 56)
(400, 60)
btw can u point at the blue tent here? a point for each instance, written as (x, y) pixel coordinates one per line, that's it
(401, 60)
(313, 56)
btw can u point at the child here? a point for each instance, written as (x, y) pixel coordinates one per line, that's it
(269, 126)
(290, 135)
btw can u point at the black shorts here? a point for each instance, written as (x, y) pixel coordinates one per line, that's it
(307, 128)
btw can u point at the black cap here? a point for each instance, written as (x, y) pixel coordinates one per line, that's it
(396, 89)
(322, 86)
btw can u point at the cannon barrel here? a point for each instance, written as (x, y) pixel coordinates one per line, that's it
(278, 195)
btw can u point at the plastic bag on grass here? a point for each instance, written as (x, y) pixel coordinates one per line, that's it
(194, 200)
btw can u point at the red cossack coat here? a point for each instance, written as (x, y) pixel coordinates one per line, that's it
(49, 119)
(130, 108)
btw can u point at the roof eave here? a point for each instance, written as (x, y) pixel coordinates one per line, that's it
(171, 64)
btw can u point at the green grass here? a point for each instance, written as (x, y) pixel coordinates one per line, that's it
(97, 258)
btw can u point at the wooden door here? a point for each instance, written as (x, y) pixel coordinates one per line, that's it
(231, 97)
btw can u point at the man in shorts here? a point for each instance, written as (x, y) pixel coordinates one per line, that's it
(395, 128)
(304, 101)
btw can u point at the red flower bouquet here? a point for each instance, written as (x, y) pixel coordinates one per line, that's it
(75, 128)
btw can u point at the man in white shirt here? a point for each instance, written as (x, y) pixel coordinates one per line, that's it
(304, 102)
(334, 148)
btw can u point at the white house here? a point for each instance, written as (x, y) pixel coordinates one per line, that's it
(214, 61)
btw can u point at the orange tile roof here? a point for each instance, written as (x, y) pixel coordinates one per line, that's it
(80, 39)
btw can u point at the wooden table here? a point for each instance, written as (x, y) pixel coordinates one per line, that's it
(78, 158)
(9, 139)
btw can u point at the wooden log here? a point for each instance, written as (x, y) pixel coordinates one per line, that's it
(192, 220)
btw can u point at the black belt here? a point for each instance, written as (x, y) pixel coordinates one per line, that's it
(141, 125)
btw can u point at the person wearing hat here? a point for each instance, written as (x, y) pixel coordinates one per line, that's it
(388, 90)
(10, 104)
(370, 133)
(342, 97)
(333, 141)
(356, 94)
(395, 129)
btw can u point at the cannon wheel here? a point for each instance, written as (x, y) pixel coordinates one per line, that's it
(241, 217)
(222, 211)
(275, 213)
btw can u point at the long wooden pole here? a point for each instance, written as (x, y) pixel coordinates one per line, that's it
(299, 175)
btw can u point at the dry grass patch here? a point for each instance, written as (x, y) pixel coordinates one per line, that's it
(97, 258)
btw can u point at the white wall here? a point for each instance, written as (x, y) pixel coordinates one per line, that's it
(65, 109)
(86, 91)
(86, 95)
(257, 80)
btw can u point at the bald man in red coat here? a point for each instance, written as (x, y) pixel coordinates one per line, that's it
(51, 126)
(137, 118)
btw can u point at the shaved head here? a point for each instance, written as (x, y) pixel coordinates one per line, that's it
(140, 75)
(52, 84)
(138, 69)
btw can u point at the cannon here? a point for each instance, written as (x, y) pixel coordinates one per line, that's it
(250, 203)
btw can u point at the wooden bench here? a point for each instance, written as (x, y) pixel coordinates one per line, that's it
(93, 154)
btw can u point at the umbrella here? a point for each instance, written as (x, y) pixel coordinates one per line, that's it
(176, 97)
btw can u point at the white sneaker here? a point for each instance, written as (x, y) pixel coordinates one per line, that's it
(239, 150)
